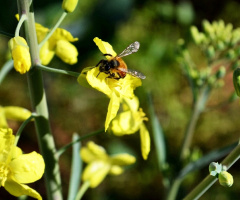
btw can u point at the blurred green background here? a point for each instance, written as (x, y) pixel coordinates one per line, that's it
(157, 25)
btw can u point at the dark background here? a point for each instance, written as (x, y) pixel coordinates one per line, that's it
(157, 25)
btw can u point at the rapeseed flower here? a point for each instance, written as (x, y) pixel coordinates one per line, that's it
(16, 168)
(114, 89)
(59, 43)
(100, 164)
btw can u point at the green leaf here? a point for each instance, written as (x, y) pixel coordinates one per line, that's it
(158, 137)
(236, 80)
(76, 169)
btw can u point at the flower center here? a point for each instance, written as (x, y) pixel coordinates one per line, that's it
(3, 174)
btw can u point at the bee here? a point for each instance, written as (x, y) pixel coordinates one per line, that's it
(116, 68)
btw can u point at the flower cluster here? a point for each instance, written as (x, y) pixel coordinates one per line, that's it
(18, 169)
(120, 92)
(100, 164)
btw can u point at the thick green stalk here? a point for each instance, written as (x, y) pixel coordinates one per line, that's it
(39, 105)
(197, 110)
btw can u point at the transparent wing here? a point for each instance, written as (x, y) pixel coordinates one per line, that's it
(132, 48)
(133, 73)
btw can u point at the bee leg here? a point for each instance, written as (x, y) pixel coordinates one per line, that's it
(99, 62)
(107, 54)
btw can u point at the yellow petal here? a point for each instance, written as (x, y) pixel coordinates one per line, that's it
(93, 152)
(69, 5)
(82, 80)
(95, 172)
(97, 150)
(46, 54)
(16, 113)
(123, 159)
(98, 81)
(104, 47)
(225, 179)
(6, 144)
(131, 104)
(27, 168)
(17, 189)
(145, 141)
(41, 32)
(16, 152)
(113, 108)
(116, 170)
(124, 124)
(62, 34)
(3, 120)
(66, 52)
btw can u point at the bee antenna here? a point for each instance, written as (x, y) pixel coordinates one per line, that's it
(98, 74)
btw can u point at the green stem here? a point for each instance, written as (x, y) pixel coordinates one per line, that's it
(197, 110)
(20, 23)
(64, 14)
(19, 132)
(59, 71)
(39, 105)
(63, 149)
(5, 70)
(210, 180)
(82, 190)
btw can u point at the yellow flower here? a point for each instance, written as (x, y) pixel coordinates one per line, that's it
(12, 113)
(69, 5)
(114, 89)
(20, 54)
(100, 164)
(17, 169)
(58, 43)
(130, 121)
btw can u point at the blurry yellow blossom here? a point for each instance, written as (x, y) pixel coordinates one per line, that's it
(69, 5)
(20, 54)
(100, 164)
(58, 43)
(17, 169)
(130, 121)
(12, 113)
(114, 89)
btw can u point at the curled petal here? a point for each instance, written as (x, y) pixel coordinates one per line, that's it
(123, 159)
(27, 168)
(17, 189)
(16, 113)
(105, 47)
(113, 108)
(62, 34)
(145, 141)
(95, 172)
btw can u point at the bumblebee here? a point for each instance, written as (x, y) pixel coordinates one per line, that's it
(116, 68)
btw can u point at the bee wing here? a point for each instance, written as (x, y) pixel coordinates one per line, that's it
(132, 48)
(133, 73)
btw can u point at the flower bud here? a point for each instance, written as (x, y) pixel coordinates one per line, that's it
(225, 179)
(69, 5)
(20, 54)
(66, 51)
